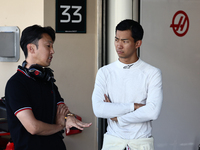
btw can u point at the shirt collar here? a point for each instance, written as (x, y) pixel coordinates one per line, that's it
(128, 66)
(22, 70)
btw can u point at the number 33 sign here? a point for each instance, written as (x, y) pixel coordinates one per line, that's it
(70, 16)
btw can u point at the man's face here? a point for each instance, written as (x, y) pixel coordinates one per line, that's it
(125, 46)
(44, 52)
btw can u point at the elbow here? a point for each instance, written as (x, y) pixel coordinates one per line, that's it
(97, 113)
(33, 130)
(97, 109)
(154, 113)
(153, 116)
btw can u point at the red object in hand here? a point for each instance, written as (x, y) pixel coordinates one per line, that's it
(74, 130)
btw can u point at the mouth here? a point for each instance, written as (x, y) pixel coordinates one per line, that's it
(50, 58)
(119, 52)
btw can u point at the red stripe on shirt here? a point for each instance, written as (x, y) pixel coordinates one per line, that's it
(60, 103)
(19, 110)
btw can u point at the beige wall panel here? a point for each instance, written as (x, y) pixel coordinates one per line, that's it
(74, 66)
(21, 13)
(74, 62)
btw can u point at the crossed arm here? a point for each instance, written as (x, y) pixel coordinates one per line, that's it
(136, 106)
(37, 127)
(128, 112)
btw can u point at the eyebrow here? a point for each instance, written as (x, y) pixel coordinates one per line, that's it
(121, 39)
(50, 41)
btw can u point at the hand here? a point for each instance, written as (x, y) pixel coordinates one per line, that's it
(62, 111)
(114, 119)
(106, 98)
(136, 105)
(73, 122)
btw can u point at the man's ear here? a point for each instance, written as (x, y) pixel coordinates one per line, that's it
(138, 43)
(31, 48)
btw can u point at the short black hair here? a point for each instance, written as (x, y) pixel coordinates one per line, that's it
(33, 34)
(129, 24)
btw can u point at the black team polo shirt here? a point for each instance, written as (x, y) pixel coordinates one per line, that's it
(22, 93)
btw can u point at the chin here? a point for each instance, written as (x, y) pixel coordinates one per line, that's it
(48, 65)
(45, 65)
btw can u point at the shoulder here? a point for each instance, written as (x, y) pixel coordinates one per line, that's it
(108, 67)
(16, 81)
(17, 77)
(13, 79)
(104, 71)
(149, 69)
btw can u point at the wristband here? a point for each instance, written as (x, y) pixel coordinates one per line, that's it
(70, 114)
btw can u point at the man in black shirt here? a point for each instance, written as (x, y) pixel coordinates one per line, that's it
(35, 110)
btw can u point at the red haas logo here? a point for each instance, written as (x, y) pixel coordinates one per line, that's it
(182, 26)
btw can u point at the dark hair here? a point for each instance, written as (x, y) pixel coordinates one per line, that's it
(136, 29)
(33, 34)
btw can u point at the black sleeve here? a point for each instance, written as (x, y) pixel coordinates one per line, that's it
(16, 96)
(59, 99)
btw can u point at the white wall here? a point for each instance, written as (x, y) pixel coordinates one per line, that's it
(118, 10)
(178, 126)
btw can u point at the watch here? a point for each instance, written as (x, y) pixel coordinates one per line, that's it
(70, 114)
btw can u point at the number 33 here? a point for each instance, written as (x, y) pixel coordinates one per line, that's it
(65, 13)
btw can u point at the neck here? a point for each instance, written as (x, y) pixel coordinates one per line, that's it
(29, 63)
(128, 61)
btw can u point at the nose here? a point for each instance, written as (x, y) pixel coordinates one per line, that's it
(52, 51)
(118, 44)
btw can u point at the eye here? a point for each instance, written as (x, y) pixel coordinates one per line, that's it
(125, 41)
(50, 46)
